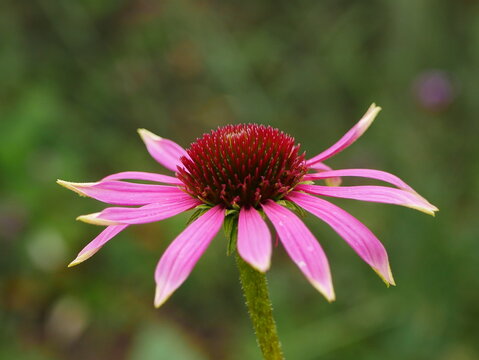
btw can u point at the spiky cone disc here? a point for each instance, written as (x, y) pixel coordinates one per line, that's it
(242, 165)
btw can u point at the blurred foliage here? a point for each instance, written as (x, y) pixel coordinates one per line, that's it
(78, 78)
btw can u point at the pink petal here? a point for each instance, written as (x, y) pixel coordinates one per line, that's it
(149, 213)
(302, 247)
(321, 167)
(358, 236)
(254, 239)
(146, 176)
(95, 245)
(350, 137)
(181, 256)
(366, 173)
(379, 194)
(166, 152)
(123, 193)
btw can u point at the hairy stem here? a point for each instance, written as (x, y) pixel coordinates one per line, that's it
(255, 290)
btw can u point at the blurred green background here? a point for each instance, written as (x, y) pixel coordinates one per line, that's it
(79, 77)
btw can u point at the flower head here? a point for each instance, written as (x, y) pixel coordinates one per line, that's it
(241, 166)
(252, 172)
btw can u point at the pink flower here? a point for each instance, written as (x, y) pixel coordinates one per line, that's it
(252, 172)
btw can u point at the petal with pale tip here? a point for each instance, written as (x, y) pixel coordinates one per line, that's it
(184, 252)
(350, 137)
(380, 194)
(95, 219)
(76, 187)
(124, 193)
(166, 152)
(355, 233)
(95, 245)
(142, 215)
(254, 239)
(302, 247)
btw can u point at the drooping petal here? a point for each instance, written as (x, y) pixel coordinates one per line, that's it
(350, 137)
(302, 247)
(380, 194)
(123, 193)
(145, 176)
(356, 234)
(95, 245)
(181, 256)
(166, 152)
(322, 167)
(254, 239)
(145, 214)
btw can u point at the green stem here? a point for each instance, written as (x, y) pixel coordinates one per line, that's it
(255, 290)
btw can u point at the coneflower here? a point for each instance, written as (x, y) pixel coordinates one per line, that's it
(250, 173)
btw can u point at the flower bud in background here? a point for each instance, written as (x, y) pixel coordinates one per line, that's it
(434, 90)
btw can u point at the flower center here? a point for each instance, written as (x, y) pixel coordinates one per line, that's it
(242, 165)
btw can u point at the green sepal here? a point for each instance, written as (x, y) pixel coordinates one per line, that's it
(293, 207)
(204, 206)
(231, 212)
(230, 227)
(307, 182)
(261, 212)
(199, 210)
